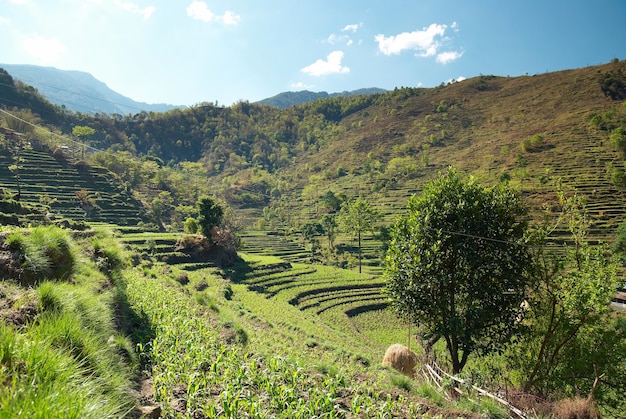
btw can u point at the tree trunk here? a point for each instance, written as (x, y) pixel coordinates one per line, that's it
(359, 234)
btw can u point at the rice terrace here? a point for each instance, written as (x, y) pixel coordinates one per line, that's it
(253, 261)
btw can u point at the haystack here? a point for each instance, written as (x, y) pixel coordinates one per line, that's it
(401, 358)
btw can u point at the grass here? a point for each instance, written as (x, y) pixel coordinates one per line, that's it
(191, 360)
(68, 358)
(45, 252)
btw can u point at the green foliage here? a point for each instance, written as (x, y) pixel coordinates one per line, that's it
(109, 256)
(458, 264)
(613, 84)
(616, 175)
(619, 245)
(82, 131)
(329, 225)
(534, 143)
(617, 137)
(357, 216)
(571, 338)
(44, 253)
(191, 225)
(210, 215)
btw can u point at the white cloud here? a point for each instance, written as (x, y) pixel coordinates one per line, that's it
(146, 12)
(425, 42)
(19, 1)
(4, 21)
(301, 86)
(200, 11)
(230, 18)
(446, 57)
(352, 28)
(46, 50)
(335, 39)
(332, 65)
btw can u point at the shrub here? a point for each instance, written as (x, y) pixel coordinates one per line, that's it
(534, 143)
(191, 225)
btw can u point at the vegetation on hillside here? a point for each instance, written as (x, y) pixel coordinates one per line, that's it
(316, 186)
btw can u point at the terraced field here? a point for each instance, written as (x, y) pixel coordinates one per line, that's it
(345, 300)
(55, 181)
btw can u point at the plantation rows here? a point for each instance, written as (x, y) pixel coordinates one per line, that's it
(319, 290)
(265, 243)
(54, 182)
(195, 374)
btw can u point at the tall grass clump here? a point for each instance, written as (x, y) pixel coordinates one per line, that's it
(41, 381)
(43, 253)
(108, 254)
(70, 360)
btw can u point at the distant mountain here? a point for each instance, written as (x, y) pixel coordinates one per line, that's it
(287, 99)
(78, 91)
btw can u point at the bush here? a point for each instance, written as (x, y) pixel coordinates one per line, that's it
(191, 225)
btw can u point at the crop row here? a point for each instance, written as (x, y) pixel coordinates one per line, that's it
(196, 374)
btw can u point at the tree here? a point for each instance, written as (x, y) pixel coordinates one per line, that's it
(358, 216)
(329, 224)
(210, 215)
(83, 132)
(619, 245)
(572, 343)
(310, 231)
(458, 264)
(23, 125)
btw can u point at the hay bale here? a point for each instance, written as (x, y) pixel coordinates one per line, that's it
(401, 358)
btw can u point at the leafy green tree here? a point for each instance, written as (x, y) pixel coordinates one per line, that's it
(619, 245)
(83, 132)
(310, 231)
(23, 122)
(191, 225)
(329, 224)
(210, 215)
(617, 137)
(458, 264)
(572, 344)
(357, 216)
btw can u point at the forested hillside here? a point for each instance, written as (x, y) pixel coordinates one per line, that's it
(228, 261)
(262, 160)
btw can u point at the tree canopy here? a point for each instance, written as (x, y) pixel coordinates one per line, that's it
(358, 216)
(210, 215)
(458, 264)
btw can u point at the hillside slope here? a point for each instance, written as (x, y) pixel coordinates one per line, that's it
(78, 91)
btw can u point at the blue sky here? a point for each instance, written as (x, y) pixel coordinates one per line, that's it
(184, 52)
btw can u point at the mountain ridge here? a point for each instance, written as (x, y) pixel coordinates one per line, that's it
(286, 99)
(78, 91)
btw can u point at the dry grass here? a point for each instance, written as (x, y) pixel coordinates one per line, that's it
(576, 408)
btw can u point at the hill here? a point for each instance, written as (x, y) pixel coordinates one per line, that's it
(278, 332)
(286, 99)
(282, 168)
(78, 91)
